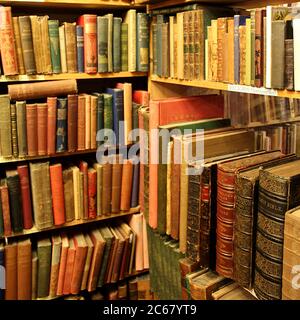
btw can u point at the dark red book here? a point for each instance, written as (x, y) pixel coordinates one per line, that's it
(26, 196)
(72, 122)
(92, 191)
(31, 125)
(89, 24)
(51, 125)
(5, 210)
(42, 111)
(84, 169)
(57, 190)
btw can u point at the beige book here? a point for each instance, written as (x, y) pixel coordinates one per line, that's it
(55, 261)
(62, 46)
(180, 47)
(93, 113)
(230, 47)
(127, 111)
(209, 54)
(214, 50)
(171, 45)
(81, 195)
(175, 48)
(87, 121)
(37, 40)
(99, 169)
(76, 185)
(130, 19)
(88, 260)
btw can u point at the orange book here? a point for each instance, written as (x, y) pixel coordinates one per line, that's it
(24, 269)
(79, 264)
(145, 244)
(11, 271)
(230, 48)
(5, 209)
(126, 187)
(69, 267)
(127, 111)
(136, 223)
(57, 189)
(84, 169)
(63, 264)
(81, 122)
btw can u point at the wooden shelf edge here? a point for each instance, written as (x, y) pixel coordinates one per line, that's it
(74, 223)
(228, 87)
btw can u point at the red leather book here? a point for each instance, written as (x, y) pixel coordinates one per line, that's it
(42, 111)
(141, 97)
(7, 42)
(31, 125)
(51, 125)
(72, 122)
(89, 24)
(57, 189)
(26, 196)
(5, 210)
(92, 191)
(81, 123)
(84, 169)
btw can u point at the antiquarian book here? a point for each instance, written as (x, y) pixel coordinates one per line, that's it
(259, 47)
(230, 50)
(27, 45)
(55, 262)
(41, 195)
(135, 186)
(124, 47)
(11, 271)
(5, 208)
(45, 44)
(7, 43)
(51, 125)
(127, 111)
(21, 127)
(242, 50)
(86, 269)
(42, 114)
(70, 46)
(57, 190)
(232, 292)
(34, 263)
(289, 57)
(99, 171)
(62, 263)
(116, 262)
(165, 50)
(32, 132)
(127, 175)
(2, 292)
(1, 222)
(72, 118)
(76, 190)
(296, 28)
(81, 122)
(42, 89)
(5, 127)
(89, 24)
(99, 115)
(37, 42)
(83, 167)
(69, 267)
(142, 26)
(136, 223)
(186, 266)
(14, 190)
(222, 27)
(44, 267)
(117, 44)
(54, 45)
(102, 43)
(80, 48)
(69, 194)
(87, 121)
(14, 133)
(154, 28)
(24, 266)
(62, 48)
(238, 21)
(92, 193)
(16, 27)
(106, 191)
(130, 19)
(108, 113)
(110, 27)
(61, 125)
(116, 185)
(277, 194)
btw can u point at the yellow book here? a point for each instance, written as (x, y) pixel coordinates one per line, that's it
(230, 48)
(248, 53)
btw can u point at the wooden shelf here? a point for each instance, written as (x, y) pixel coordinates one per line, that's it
(77, 76)
(228, 87)
(74, 223)
(267, 124)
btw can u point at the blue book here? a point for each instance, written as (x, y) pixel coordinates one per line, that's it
(117, 110)
(2, 280)
(61, 125)
(80, 48)
(238, 21)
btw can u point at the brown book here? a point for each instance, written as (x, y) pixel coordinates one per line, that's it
(107, 188)
(55, 261)
(232, 292)
(11, 271)
(122, 291)
(186, 266)
(126, 250)
(71, 50)
(175, 200)
(111, 258)
(62, 264)
(24, 266)
(99, 170)
(116, 185)
(42, 111)
(72, 122)
(5, 127)
(69, 267)
(32, 130)
(37, 42)
(7, 225)
(118, 255)
(259, 47)
(94, 102)
(45, 45)
(42, 89)
(81, 122)
(83, 167)
(87, 121)
(69, 194)
(87, 265)
(21, 67)
(127, 175)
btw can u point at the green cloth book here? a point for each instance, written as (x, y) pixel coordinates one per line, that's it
(117, 44)
(44, 267)
(54, 45)
(102, 43)
(108, 114)
(124, 47)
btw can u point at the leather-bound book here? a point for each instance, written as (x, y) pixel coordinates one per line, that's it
(61, 125)
(27, 44)
(41, 195)
(71, 46)
(62, 264)
(259, 47)
(89, 24)
(68, 182)
(93, 112)
(14, 134)
(44, 267)
(76, 191)
(16, 27)
(108, 113)
(11, 268)
(107, 188)
(42, 89)
(7, 43)
(84, 169)
(5, 208)
(80, 48)
(141, 97)
(289, 57)
(112, 257)
(227, 172)
(5, 127)
(99, 172)
(133, 289)
(32, 130)
(230, 48)
(144, 288)
(97, 258)
(126, 188)
(110, 26)
(128, 234)
(102, 43)
(142, 25)
(87, 265)
(51, 125)
(116, 264)
(57, 190)
(99, 115)
(238, 21)
(55, 261)
(34, 264)
(87, 121)
(122, 291)
(136, 224)
(69, 267)
(21, 127)
(92, 193)
(62, 49)
(72, 118)
(42, 113)
(135, 186)
(116, 185)
(14, 190)
(222, 27)
(45, 44)
(186, 266)
(79, 262)
(54, 45)
(81, 123)
(232, 292)
(25, 196)
(124, 47)
(278, 193)
(24, 269)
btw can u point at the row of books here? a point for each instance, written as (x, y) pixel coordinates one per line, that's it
(69, 123)
(53, 194)
(258, 48)
(93, 44)
(67, 263)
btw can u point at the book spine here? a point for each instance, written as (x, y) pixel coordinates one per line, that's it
(46, 49)
(135, 186)
(142, 42)
(117, 22)
(132, 40)
(92, 192)
(258, 48)
(102, 43)
(127, 176)
(5, 127)
(106, 193)
(99, 170)
(37, 42)
(13, 184)
(42, 110)
(90, 43)
(242, 44)
(116, 187)
(110, 28)
(14, 133)
(1, 233)
(296, 27)
(51, 124)
(7, 43)
(21, 127)
(62, 47)
(237, 23)
(222, 26)
(94, 102)
(80, 48)
(44, 266)
(154, 28)
(108, 113)
(21, 67)
(84, 170)
(165, 50)
(24, 270)
(100, 115)
(32, 136)
(71, 46)
(289, 64)
(61, 125)
(124, 47)
(69, 194)
(54, 45)
(186, 54)
(81, 123)
(6, 210)
(72, 117)
(198, 45)
(87, 121)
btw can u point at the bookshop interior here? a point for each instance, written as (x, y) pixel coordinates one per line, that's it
(149, 150)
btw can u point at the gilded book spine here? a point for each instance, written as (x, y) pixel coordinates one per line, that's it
(289, 64)
(191, 44)
(186, 45)
(14, 134)
(222, 23)
(124, 47)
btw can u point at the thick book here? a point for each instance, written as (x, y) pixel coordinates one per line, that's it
(186, 266)
(238, 21)
(37, 42)
(232, 292)
(136, 224)
(51, 125)
(142, 26)
(296, 27)
(107, 188)
(108, 111)
(44, 267)
(289, 56)
(117, 23)
(68, 182)
(86, 269)
(70, 46)
(69, 267)
(61, 125)
(16, 27)
(126, 187)
(80, 48)
(102, 43)
(45, 45)
(62, 263)
(5, 127)
(21, 127)
(11, 268)
(54, 45)
(259, 47)
(42, 115)
(72, 119)
(55, 262)
(24, 266)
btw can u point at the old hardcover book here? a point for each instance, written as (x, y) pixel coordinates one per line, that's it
(42, 113)
(238, 21)
(21, 127)
(127, 175)
(81, 122)
(32, 132)
(86, 269)
(69, 194)
(55, 262)
(116, 185)
(99, 171)
(110, 27)
(142, 26)
(24, 262)
(70, 46)
(230, 47)
(124, 47)
(107, 188)
(2, 292)
(44, 267)
(102, 43)
(277, 194)
(11, 271)
(1, 221)
(34, 263)
(41, 195)
(92, 193)
(99, 115)
(62, 263)
(136, 224)
(76, 188)
(69, 267)
(45, 44)
(93, 131)
(222, 28)
(130, 19)
(16, 27)
(51, 125)
(80, 48)
(61, 125)
(186, 266)
(14, 133)
(289, 57)
(37, 42)
(5, 208)
(72, 118)
(259, 47)
(242, 46)
(232, 292)
(83, 167)
(117, 22)
(54, 45)
(108, 113)
(62, 48)
(116, 262)
(135, 186)
(5, 127)
(87, 121)
(296, 28)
